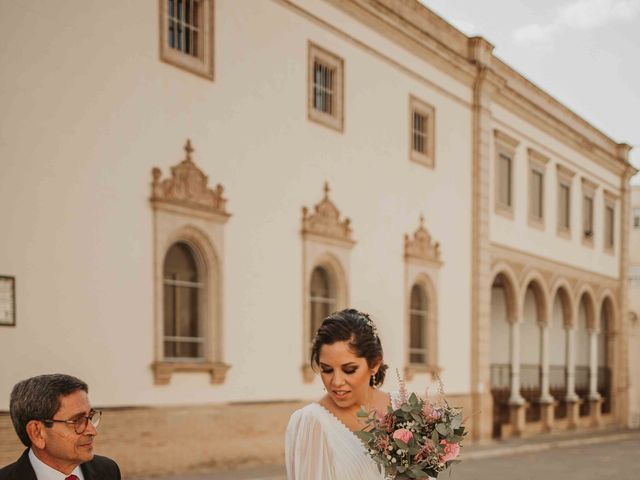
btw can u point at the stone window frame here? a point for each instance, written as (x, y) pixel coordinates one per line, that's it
(589, 189)
(636, 217)
(203, 64)
(506, 146)
(186, 210)
(610, 201)
(327, 241)
(564, 177)
(537, 164)
(422, 263)
(335, 63)
(420, 107)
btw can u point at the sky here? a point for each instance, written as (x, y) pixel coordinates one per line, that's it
(584, 53)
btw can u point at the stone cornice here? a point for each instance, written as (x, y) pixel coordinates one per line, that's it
(416, 28)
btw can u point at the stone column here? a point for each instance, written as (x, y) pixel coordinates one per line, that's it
(595, 401)
(517, 404)
(486, 83)
(573, 401)
(547, 403)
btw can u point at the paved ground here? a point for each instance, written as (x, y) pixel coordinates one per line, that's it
(611, 455)
(619, 460)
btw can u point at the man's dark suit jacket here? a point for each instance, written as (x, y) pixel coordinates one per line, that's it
(100, 468)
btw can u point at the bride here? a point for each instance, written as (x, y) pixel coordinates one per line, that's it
(319, 442)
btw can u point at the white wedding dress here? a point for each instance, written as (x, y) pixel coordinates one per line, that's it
(318, 446)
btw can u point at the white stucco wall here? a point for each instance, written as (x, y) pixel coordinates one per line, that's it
(89, 109)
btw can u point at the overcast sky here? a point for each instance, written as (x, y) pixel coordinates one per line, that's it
(585, 53)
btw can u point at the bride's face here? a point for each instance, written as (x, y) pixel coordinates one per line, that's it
(345, 375)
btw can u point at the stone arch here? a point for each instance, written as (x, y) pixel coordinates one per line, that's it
(586, 292)
(503, 273)
(536, 281)
(562, 287)
(208, 264)
(331, 263)
(607, 301)
(424, 281)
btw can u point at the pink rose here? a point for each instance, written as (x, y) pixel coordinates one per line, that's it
(403, 435)
(451, 451)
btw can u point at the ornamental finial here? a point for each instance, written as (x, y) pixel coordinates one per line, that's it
(188, 149)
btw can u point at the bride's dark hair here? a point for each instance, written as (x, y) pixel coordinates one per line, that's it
(359, 330)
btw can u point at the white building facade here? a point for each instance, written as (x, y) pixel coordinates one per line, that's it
(189, 186)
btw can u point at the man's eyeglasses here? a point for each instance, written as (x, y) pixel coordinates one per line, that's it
(80, 423)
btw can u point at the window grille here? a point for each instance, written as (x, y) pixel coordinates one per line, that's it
(184, 20)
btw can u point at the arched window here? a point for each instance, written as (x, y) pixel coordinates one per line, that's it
(182, 282)
(322, 297)
(419, 316)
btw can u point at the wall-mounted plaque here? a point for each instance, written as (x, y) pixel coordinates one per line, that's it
(7, 300)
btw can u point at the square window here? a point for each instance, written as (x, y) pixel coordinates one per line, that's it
(422, 132)
(537, 194)
(505, 155)
(609, 222)
(587, 220)
(564, 207)
(537, 168)
(325, 87)
(186, 35)
(565, 180)
(504, 179)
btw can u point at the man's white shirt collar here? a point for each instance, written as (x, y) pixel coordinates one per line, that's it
(45, 472)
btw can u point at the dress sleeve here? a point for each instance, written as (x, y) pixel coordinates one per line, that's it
(307, 453)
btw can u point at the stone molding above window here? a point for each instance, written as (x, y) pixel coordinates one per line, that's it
(422, 264)
(186, 210)
(422, 138)
(199, 59)
(505, 149)
(325, 99)
(326, 242)
(187, 190)
(324, 223)
(421, 248)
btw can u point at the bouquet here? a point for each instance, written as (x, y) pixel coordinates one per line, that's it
(418, 439)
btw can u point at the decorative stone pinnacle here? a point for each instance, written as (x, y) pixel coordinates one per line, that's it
(325, 220)
(188, 149)
(421, 246)
(188, 186)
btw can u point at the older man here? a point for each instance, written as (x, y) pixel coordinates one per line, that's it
(54, 420)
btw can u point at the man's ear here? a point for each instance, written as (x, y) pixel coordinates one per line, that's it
(37, 435)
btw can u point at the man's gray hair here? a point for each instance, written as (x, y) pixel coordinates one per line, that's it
(39, 397)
